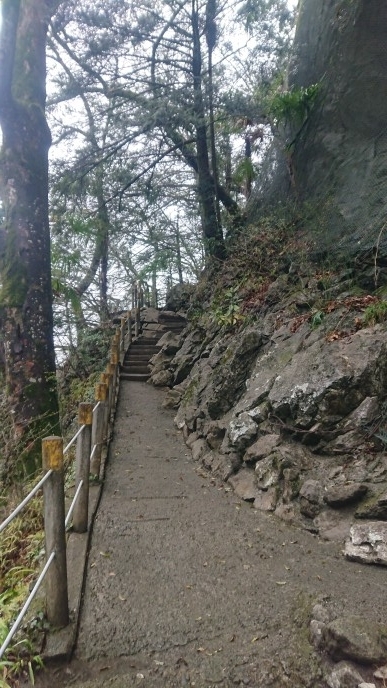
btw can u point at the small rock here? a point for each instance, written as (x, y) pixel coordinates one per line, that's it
(162, 378)
(363, 414)
(311, 490)
(320, 613)
(339, 495)
(291, 484)
(357, 639)
(261, 448)
(316, 632)
(310, 498)
(333, 525)
(381, 673)
(266, 501)
(172, 399)
(192, 437)
(367, 543)
(259, 413)
(344, 676)
(199, 448)
(286, 512)
(244, 484)
(268, 472)
(375, 508)
(242, 431)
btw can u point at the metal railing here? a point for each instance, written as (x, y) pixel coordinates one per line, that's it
(92, 435)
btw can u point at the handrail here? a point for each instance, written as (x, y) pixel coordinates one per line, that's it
(26, 604)
(92, 433)
(70, 444)
(25, 501)
(73, 503)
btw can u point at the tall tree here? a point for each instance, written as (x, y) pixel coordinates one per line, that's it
(25, 298)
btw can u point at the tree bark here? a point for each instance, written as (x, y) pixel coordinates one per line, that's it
(25, 271)
(212, 231)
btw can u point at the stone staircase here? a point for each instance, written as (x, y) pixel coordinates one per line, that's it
(154, 324)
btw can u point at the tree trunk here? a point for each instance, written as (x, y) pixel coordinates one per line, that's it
(212, 232)
(26, 298)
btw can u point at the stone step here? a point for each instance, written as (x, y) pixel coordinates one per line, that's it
(137, 358)
(143, 349)
(136, 368)
(134, 377)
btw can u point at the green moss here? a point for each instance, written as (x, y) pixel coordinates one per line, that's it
(190, 392)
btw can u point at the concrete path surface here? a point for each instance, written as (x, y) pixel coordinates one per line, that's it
(186, 585)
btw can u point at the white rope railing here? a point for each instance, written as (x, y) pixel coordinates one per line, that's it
(26, 604)
(25, 501)
(73, 503)
(70, 444)
(95, 421)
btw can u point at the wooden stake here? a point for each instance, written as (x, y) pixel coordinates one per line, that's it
(55, 535)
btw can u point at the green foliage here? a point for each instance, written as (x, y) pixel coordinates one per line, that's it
(375, 313)
(226, 308)
(20, 555)
(316, 319)
(294, 106)
(244, 170)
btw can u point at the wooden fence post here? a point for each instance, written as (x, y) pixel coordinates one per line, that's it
(106, 379)
(130, 323)
(97, 431)
(55, 533)
(81, 509)
(122, 339)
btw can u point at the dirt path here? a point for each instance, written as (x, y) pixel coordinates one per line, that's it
(186, 586)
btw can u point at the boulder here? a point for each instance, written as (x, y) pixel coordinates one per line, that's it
(172, 399)
(162, 379)
(344, 676)
(261, 448)
(367, 543)
(244, 485)
(179, 297)
(199, 448)
(330, 382)
(268, 472)
(374, 508)
(266, 500)
(343, 494)
(357, 639)
(241, 431)
(310, 498)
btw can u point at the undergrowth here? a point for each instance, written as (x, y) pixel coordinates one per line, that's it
(22, 546)
(21, 554)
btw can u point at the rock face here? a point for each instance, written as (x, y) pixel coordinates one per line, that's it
(339, 158)
(291, 415)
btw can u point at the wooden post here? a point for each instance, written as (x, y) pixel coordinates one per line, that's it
(114, 364)
(55, 533)
(130, 323)
(105, 379)
(97, 431)
(81, 509)
(109, 382)
(122, 337)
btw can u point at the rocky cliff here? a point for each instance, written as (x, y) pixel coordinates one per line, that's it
(283, 394)
(335, 163)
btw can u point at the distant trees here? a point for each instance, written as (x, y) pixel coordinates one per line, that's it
(25, 268)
